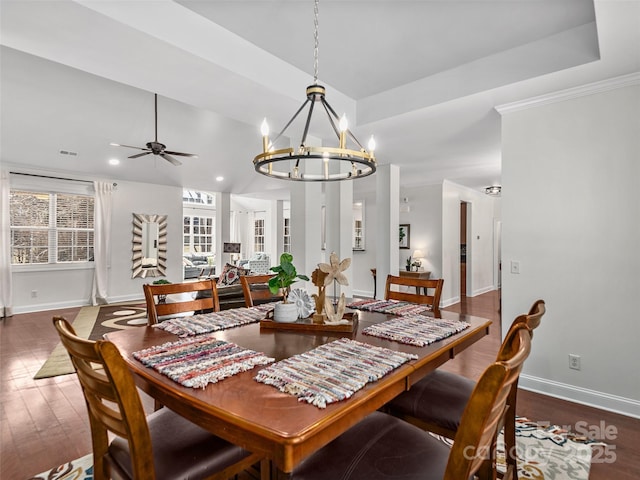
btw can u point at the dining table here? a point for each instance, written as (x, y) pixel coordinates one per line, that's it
(261, 418)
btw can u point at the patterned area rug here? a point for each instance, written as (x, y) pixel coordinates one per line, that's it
(92, 323)
(79, 469)
(545, 453)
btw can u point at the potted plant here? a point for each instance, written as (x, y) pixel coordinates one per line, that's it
(285, 276)
(161, 281)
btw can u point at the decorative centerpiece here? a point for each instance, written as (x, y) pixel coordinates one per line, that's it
(333, 271)
(318, 277)
(285, 276)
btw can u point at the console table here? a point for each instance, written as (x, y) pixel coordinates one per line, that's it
(403, 273)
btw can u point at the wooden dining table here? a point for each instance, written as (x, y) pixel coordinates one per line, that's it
(259, 417)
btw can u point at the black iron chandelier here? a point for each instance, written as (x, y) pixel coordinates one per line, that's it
(316, 163)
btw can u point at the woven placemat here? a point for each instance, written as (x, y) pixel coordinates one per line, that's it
(332, 372)
(418, 330)
(197, 361)
(393, 307)
(215, 321)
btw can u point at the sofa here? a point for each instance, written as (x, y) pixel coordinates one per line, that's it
(259, 263)
(196, 265)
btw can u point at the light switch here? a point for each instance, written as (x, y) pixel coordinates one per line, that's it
(515, 267)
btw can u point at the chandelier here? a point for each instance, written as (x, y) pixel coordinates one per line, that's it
(307, 163)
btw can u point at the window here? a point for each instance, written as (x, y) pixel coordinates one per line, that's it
(50, 227)
(287, 236)
(258, 235)
(198, 198)
(198, 234)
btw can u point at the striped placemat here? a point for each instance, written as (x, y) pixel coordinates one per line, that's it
(198, 361)
(215, 321)
(332, 372)
(394, 307)
(418, 330)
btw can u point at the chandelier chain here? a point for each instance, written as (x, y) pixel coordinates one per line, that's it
(315, 37)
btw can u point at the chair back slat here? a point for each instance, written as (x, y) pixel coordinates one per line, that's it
(483, 416)
(420, 290)
(256, 289)
(157, 308)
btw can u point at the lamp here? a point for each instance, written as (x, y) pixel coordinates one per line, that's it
(311, 163)
(493, 190)
(417, 258)
(232, 248)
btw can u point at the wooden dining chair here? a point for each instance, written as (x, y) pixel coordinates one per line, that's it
(163, 445)
(256, 290)
(386, 447)
(171, 299)
(420, 295)
(436, 403)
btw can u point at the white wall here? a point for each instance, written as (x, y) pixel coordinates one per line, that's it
(434, 217)
(571, 217)
(65, 286)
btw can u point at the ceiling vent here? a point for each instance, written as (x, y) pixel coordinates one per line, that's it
(67, 152)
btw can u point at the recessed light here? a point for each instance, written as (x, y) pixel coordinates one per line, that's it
(219, 179)
(114, 161)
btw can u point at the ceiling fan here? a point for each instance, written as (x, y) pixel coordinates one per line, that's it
(156, 147)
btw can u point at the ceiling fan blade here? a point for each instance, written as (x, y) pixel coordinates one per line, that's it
(170, 159)
(139, 155)
(128, 146)
(192, 155)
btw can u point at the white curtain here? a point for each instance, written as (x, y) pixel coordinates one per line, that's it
(101, 243)
(6, 301)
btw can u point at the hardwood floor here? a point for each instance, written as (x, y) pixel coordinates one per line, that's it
(44, 422)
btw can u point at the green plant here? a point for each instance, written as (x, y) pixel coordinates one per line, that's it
(162, 281)
(285, 276)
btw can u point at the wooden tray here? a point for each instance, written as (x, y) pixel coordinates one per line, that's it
(307, 325)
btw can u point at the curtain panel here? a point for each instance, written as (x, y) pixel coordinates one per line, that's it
(102, 245)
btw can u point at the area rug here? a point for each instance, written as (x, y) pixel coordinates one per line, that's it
(545, 453)
(93, 323)
(79, 469)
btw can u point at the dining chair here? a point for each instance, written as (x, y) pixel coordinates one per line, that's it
(175, 299)
(256, 290)
(421, 295)
(163, 445)
(386, 447)
(436, 402)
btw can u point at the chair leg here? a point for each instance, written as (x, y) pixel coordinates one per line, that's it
(511, 454)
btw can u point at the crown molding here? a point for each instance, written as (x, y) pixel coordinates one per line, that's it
(570, 93)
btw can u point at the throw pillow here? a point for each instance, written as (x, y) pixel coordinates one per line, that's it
(231, 275)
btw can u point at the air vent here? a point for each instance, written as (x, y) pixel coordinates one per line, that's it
(67, 152)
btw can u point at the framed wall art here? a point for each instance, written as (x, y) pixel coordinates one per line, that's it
(405, 236)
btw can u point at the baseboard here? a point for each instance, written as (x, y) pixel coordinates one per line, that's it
(42, 307)
(127, 298)
(584, 396)
(362, 293)
(480, 291)
(449, 301)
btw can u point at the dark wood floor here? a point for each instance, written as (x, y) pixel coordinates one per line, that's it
(44, 422)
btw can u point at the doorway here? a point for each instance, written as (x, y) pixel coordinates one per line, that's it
(464, 251)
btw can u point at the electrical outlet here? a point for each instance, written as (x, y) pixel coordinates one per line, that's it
(34, 293)
(574, 361)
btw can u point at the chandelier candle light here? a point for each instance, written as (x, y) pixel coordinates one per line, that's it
(316, 163)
